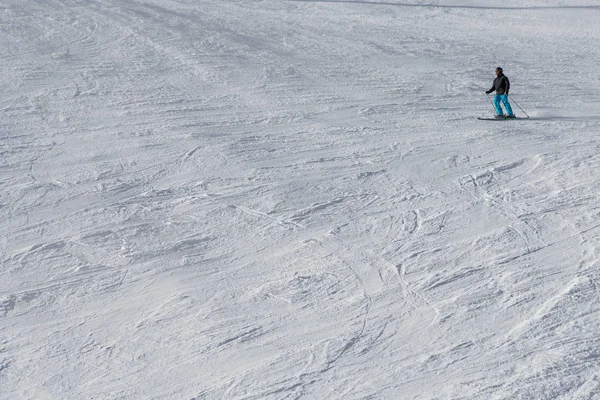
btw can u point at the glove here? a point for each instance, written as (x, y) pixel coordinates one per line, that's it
(488, 91)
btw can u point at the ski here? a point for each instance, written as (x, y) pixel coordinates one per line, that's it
(498, 119)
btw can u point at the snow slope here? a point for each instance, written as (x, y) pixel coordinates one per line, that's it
(277, 199)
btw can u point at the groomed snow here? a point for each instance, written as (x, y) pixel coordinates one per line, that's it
(279, 199)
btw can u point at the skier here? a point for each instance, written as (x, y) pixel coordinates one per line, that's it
(501, 86)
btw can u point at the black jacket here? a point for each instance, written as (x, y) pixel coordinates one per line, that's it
(501, 85)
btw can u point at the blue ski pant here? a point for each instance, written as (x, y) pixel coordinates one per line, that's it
(504, 99)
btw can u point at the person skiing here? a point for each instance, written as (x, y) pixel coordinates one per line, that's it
(501, 85)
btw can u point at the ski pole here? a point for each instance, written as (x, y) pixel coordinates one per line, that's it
(491, 102)
(515, 101)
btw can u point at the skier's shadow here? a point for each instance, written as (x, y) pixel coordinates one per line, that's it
(383, 3)
(564, 118)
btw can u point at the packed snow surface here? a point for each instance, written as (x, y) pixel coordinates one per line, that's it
(279, 199)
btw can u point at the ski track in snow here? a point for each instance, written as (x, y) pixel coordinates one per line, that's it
(293, 199)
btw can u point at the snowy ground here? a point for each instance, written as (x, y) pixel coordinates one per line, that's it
(277, 199)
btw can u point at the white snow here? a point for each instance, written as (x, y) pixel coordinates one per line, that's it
(279, 199)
